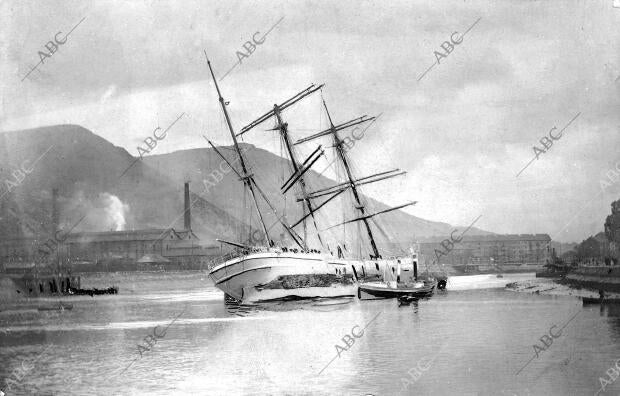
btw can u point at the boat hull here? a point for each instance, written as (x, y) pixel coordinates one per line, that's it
(381, 290)
(273, 275)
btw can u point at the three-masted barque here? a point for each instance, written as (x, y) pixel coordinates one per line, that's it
(275, 271)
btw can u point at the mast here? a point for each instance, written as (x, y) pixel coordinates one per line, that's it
(298, 168)
(351, 182)
(358, 204)
(283, 127)
(248, 178)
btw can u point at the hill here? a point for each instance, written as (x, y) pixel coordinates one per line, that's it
(202, 167)
(86, 169)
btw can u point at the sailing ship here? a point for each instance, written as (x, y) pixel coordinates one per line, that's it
(274, 271)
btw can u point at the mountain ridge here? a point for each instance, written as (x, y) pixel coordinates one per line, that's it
(84, 167)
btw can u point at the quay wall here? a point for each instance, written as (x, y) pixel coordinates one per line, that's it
(599, 278)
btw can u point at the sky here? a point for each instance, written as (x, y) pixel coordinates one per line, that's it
(462, 132)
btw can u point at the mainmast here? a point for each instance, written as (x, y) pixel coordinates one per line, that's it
(358, 203)
(298, 169)
(244, 175)
(283, 127)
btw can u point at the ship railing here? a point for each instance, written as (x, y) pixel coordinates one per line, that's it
(222, 259)
(254, 249)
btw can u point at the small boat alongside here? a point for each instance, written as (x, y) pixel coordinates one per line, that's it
(406, 288)
(409, 291)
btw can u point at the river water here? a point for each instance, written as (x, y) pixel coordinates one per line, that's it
(465, 342)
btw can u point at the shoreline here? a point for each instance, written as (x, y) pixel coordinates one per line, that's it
(135, 282)
(554, 287)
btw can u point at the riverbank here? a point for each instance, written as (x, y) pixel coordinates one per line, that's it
(14, 293)
(554, 287)
(486, 281)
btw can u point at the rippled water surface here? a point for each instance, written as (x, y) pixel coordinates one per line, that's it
(470, 342)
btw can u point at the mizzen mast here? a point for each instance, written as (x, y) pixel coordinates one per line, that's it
(338, 143)
(351, 183)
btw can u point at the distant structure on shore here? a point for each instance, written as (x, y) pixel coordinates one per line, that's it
(511, 252)
(612, 232)
(602, 249)
(165, 248)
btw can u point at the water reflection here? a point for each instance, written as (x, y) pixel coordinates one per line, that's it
(235, 307)
(406, 303)
(610, 310)
(612, 313)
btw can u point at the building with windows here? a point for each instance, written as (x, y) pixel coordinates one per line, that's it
(483, 252)
(110, 250)
(132, 244)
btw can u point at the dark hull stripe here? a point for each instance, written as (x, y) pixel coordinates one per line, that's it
(391, 294)
(262, 258)
(226, 278)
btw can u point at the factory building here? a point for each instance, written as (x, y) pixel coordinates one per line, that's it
(132, 244)
(167, 248)
(527, 252)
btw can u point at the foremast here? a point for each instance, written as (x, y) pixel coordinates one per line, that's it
(245, 175)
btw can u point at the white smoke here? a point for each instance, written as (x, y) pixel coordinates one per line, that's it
(115, 211)
(103, 211)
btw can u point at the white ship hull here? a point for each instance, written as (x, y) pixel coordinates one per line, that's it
(274, 274)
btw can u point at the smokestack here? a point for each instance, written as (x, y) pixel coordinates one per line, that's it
(54, 210)
(187, 223)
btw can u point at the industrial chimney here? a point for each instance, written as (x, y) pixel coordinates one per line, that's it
(187, 223)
